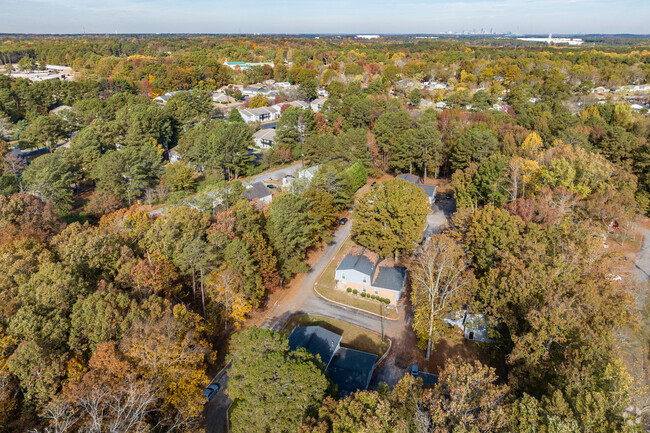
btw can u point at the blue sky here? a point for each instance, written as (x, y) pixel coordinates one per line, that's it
(335, 16)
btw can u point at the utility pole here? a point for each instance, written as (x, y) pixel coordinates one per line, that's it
(382, 322)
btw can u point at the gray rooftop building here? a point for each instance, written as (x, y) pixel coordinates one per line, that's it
(349, 369)
(317, 340)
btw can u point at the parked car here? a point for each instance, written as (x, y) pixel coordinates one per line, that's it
(210, 391)
(415, 371)
(271, 186)
(343, 221)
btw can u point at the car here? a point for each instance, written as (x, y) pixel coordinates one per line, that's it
(210, 391)
(271, 186)
(415, 371)
(343, 221)
(373, 184)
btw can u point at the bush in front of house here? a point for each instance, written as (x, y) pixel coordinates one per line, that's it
(355, 291)
(385, 300)
(349, 290)
(363, 295)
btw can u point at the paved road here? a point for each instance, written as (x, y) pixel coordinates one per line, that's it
(275, 174)
(217, 408)
(304, 300)
(642, 264)
(642, 268)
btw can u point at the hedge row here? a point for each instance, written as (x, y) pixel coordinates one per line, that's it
(366, 295)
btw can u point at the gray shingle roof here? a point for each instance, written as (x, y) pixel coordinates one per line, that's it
(317, 340)
(257, 191)
(429, 190)
(391, 278)
(360, 263)
(351, 370)
(409, 178)
(265, 134)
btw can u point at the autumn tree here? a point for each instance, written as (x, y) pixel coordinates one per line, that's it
(466, 396)
(391, 217)
(171, 352)
(179, 177)
(225, 289)
(439, 275)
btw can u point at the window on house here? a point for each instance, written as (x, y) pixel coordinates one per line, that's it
(343, 276)
(376, 291)
(364, 288)
(364, 280)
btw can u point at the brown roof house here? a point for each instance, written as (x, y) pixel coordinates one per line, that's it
(363, 270)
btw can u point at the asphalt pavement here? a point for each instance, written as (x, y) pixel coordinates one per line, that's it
(304, 300)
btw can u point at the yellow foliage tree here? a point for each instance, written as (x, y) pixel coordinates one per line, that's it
(170, 351)
(532, 144)
(225, 289)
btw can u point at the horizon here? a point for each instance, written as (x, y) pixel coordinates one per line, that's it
(339, 17)
(353, 34)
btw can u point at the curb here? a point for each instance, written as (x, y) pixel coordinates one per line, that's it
(351, 307)
(338, 303)
(385, 355)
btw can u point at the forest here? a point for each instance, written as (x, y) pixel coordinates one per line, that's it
(128, 280)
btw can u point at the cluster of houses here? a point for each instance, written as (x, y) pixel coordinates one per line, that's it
(273, 112)
(260, 194)
(50, 72)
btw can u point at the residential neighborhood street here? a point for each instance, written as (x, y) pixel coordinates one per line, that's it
(642, 265)
(275, 174)
(301, 298)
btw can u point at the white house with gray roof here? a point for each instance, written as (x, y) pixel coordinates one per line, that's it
(264, 138)
(364, 271)
(259, 194)
(261, 114)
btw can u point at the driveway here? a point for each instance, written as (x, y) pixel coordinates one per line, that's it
(302, 299)
(217, 408)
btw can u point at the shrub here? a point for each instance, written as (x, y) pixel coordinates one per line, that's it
(355, 291)
(373, 297)
(385, 301)
(349, 290)
(363, 295)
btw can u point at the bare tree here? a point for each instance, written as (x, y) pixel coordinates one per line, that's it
(439, 273)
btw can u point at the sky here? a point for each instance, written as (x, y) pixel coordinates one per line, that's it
(330, 16)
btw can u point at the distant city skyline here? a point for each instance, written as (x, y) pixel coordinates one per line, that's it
(336, 16)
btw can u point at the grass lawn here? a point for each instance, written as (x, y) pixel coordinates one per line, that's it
(353, 337)
(325, 287)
